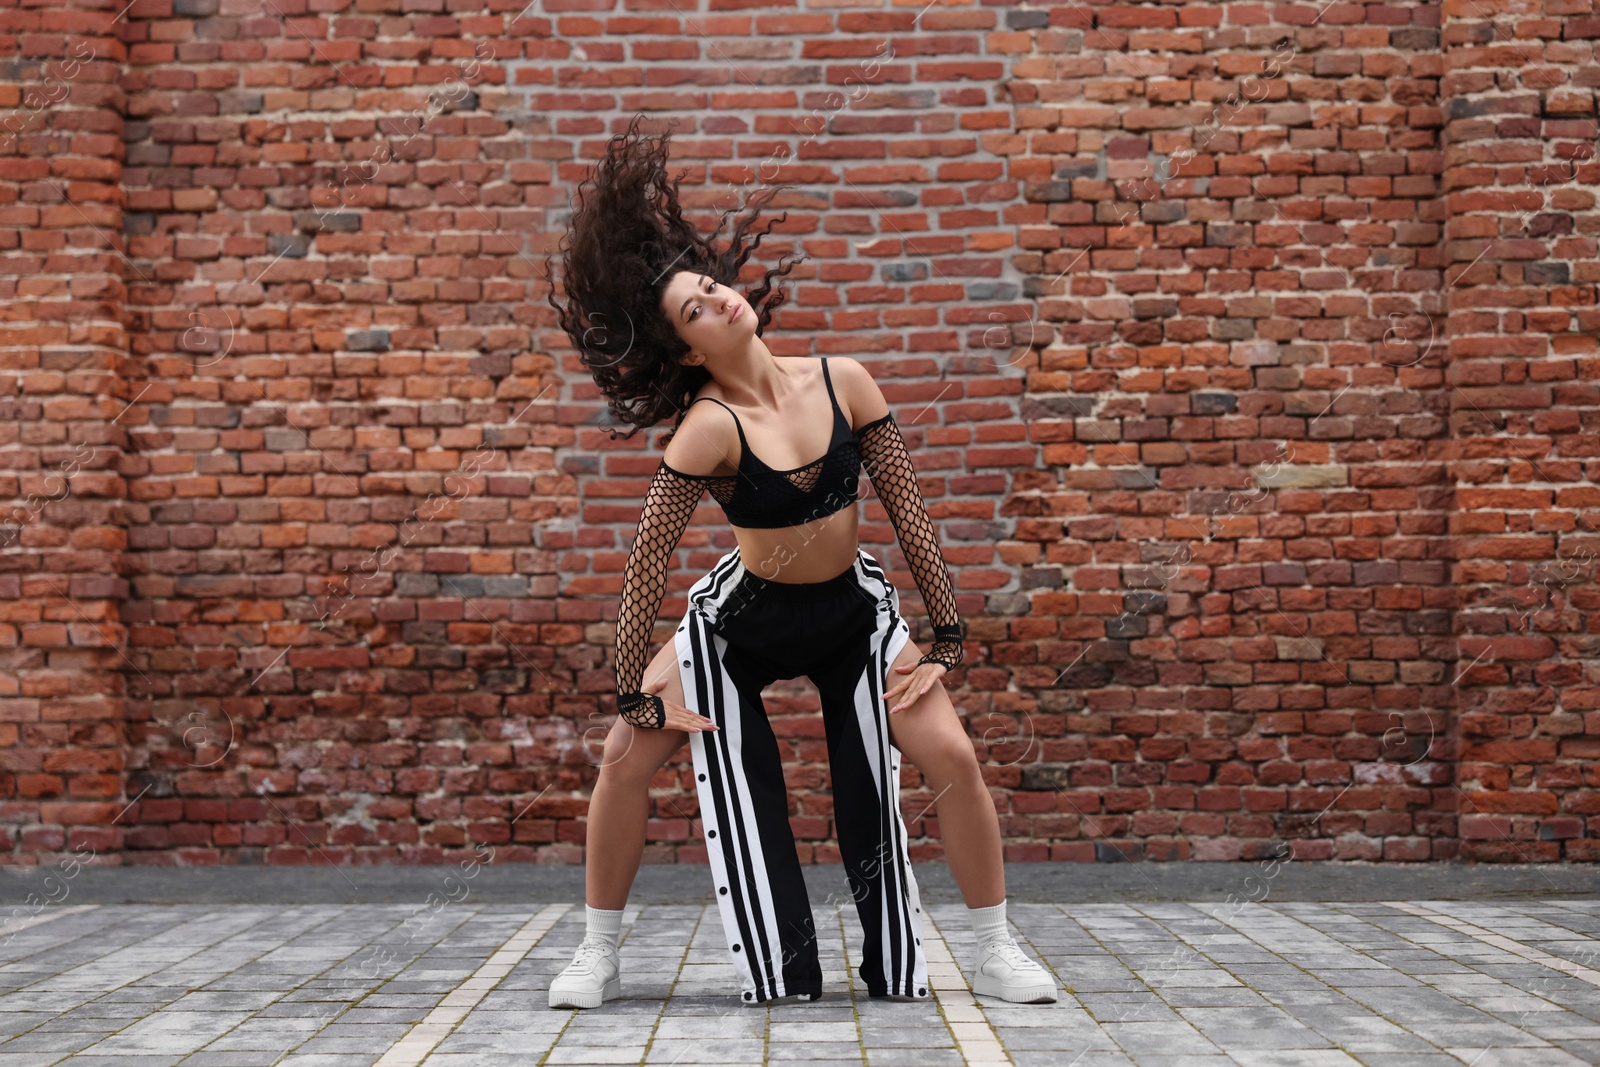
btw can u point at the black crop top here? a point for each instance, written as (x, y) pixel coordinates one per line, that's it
(760, 497)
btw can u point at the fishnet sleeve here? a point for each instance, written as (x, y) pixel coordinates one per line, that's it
(668, 505)
(888, 464)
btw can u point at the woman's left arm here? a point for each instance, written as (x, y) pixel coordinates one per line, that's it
(888, 465)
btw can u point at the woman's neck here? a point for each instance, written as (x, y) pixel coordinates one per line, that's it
(759, 383)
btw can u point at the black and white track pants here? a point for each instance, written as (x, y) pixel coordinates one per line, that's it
(742, 632)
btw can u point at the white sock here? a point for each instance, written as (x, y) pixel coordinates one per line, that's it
(603, 924)
(988, 924)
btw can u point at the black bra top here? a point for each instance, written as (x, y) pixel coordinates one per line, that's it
(763, 498)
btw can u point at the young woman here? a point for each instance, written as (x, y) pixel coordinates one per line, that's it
(779, 445)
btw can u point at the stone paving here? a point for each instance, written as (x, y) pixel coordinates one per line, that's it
(1397, 983)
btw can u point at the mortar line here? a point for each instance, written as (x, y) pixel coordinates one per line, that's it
(1377, 1011)
(1335, 1046)
(1208, 910)
(672, 989)
(94, 995)
(1468, 929)
(417, 1043)
(1499, 941)
(975, 1037)
(296, 912)
(851, 990)
(11, 928)
(1505, 907)
(1136, 976)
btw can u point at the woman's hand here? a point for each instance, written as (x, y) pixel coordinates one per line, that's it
(678, 716)
(923, 675)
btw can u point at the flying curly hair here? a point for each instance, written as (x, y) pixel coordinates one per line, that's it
(628, 237)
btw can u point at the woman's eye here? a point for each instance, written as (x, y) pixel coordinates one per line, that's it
(696, 311)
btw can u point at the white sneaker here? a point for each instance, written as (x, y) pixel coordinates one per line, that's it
(1005, 971)
(594, 975)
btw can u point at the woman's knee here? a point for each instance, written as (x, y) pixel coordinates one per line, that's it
(939, 748)
(614, 755)
(633, 755)
(636, 753)
(954, 760)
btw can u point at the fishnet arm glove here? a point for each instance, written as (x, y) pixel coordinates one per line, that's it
(668, 505)
(888, 464)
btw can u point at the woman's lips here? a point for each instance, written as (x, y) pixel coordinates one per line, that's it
(738, 309)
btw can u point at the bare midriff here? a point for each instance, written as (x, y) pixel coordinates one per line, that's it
(811, 552)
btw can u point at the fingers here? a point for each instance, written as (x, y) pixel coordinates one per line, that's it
(907, 702)
(897, 691)
(678, 716)
(681, 718)
(917, 684)
(908, 668)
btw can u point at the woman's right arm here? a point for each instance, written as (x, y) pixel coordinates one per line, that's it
(668, 506)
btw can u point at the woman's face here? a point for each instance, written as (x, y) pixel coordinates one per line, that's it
(700, 308)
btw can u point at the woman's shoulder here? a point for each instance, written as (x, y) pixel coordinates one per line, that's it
(699, 445)
(858, 394)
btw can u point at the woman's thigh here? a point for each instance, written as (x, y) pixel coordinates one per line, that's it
(929, 732)
(634, 753)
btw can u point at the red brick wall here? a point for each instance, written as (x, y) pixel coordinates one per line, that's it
(1519, 180)
(66, 465)
(1247, 349)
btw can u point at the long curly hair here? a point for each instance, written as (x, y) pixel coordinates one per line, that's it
(628, 238)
